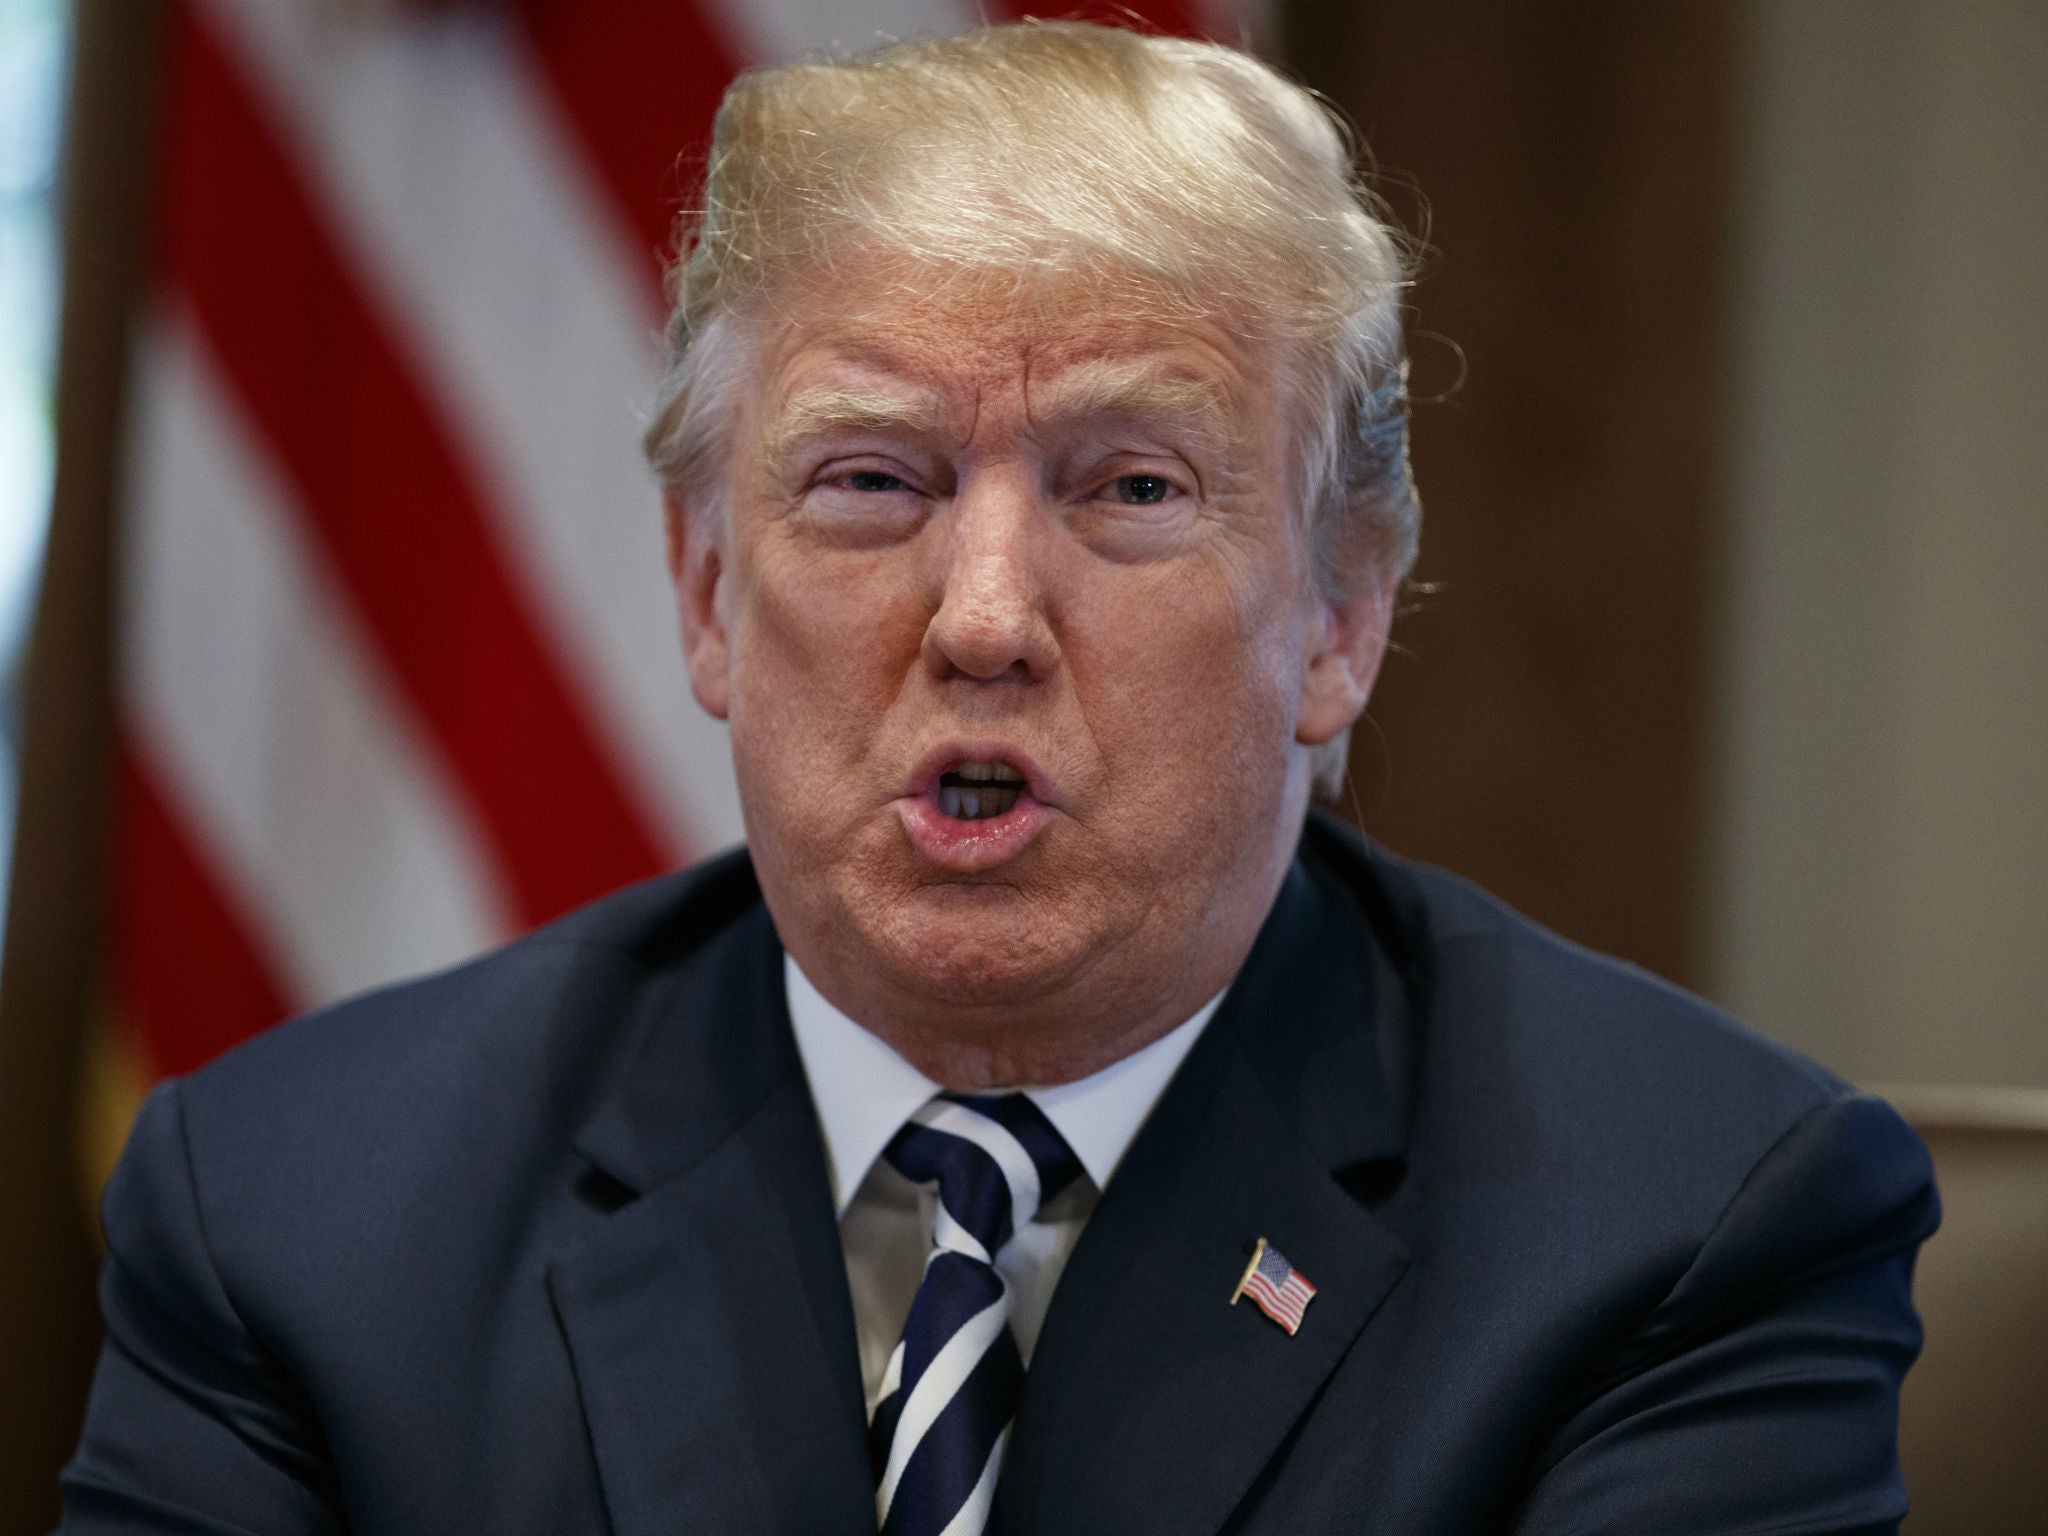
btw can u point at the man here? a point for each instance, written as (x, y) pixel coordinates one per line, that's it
(1045, 1126)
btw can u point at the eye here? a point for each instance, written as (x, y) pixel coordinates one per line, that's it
(867, 503)
(1142, 490)
(872, 481)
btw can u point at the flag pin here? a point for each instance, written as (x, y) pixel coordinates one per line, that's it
(1281, 1291)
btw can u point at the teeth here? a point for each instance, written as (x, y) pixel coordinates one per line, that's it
(964, 804)
(989, 773)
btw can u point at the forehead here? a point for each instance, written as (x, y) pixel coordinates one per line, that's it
(960, 343)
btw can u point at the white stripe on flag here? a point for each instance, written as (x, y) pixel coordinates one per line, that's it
(947, 1373)
(1241, 23)
(771, 31)
(478, 229)
(261, 709)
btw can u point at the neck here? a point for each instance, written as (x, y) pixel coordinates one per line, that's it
(1039, 1050)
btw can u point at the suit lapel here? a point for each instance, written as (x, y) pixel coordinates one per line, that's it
(1152, 1403)
(704, 1299)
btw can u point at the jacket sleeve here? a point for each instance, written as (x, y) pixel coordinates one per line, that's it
(1762, 1393)
(192, 1426)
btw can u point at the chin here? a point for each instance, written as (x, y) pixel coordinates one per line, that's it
(973, 945)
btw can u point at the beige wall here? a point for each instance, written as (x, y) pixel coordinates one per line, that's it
(1881, 890)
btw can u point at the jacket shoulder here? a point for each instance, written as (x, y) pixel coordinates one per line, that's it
(474, 1077)
(1571, 1084)
(1607, 1170)
(490, 1006)
(1484, 979)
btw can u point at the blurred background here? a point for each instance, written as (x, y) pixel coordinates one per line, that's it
(334, 643)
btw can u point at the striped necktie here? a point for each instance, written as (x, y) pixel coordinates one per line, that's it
(951, 1386)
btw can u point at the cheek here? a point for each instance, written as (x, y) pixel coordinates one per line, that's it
(1195, 688)
(820, 642)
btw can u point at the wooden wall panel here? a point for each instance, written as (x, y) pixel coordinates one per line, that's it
(1544, 728)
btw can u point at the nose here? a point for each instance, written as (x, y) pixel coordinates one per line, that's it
(991, 622)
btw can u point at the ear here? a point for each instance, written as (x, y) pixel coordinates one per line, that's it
(1343, 660)
(696, 564)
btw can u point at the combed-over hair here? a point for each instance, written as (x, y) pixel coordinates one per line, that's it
(1190, 176)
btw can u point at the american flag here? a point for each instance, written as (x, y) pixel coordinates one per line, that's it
(1281, 1291)
(399, 675)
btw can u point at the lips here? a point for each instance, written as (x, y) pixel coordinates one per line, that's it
(974, 806)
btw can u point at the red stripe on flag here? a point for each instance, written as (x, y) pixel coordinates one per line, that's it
(333, 396)
(184, 971)
(639, 83)
(1177, 18)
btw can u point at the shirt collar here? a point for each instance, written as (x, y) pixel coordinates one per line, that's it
(864, 1091)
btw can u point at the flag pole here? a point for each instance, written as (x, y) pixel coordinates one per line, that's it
(1250, 1269)
(52, 981)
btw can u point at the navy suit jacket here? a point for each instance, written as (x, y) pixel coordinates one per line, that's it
(545, 1244)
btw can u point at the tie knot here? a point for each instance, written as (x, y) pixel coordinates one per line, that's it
(996, 1159)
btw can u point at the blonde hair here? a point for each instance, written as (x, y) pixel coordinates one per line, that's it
(1187, 175)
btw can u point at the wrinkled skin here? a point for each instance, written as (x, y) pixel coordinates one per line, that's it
(1102, 581)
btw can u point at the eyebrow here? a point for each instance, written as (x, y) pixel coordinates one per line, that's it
(1134, 391)
(1138, 392)
(825, 409)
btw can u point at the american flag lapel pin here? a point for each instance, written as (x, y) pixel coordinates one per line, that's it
(1281, 1291)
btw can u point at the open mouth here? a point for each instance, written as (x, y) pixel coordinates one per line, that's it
(968, 814)
(979, 791)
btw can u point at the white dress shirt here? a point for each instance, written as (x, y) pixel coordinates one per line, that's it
(864, 1092)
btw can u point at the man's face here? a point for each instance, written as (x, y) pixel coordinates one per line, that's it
(1021, 663)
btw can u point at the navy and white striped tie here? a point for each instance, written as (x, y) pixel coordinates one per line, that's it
(951, 1386)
